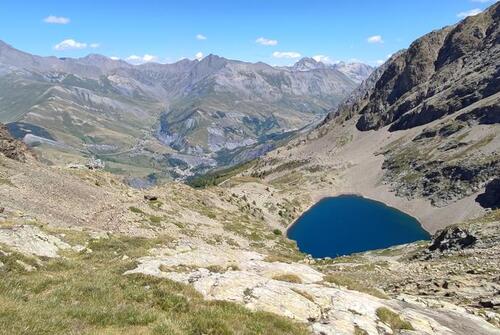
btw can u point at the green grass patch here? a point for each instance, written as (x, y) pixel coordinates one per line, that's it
(88, 294)
(359, 331)
(135, 210)
(155, 204)
(288, 277)
(155, 219)
(216, 177)
(216, 268)
(4, 181)
(304, 294)
(288, 166)
(393, 319)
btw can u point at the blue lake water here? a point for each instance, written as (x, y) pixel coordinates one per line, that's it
(347, 224)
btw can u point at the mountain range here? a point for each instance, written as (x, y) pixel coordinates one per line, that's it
(174, 118)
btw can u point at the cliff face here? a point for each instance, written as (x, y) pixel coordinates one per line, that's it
(440, 74)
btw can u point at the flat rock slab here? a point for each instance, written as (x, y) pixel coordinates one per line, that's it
(31, 240)
(245, 277)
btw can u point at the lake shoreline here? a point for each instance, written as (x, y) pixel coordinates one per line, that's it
(320, 234)
(313, 203)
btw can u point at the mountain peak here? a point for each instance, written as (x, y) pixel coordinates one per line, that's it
(96, 57)
(7, 47)
(212, 58)
(307, 64)
(103, 62)
(212, 62)
(357, 71)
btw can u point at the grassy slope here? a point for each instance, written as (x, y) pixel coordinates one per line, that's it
(86, 293)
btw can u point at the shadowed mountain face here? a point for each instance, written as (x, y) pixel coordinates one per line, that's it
(203, 113)
(440, 74)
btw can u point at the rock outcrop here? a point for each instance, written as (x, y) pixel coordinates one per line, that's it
(30, 240)
(295, 290)
(491, 196)
(452, 238)
(12, 148)
(440, 74)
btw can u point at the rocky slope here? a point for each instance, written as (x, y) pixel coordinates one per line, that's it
(82, 252)
(180, 117)
(450, 75)
(421, 134)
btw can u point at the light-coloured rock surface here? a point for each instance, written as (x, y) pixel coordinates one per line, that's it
(204, 255)
(31, 240)
(245, 277)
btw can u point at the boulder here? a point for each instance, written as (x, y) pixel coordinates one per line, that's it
(452, 238)
(491, 196)
(95, 164)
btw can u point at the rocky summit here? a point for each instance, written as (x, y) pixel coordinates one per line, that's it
(97, 237)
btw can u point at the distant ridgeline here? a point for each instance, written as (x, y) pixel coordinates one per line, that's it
(174, 119)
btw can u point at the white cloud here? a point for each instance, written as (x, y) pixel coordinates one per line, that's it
(471, 12)
(481, 1)
(199, 55)
(201, 37)
(134, 59)
(266, 41)
(56, 19)
(286, 54)
(379, 62)
(323, 59)
(114, 58)
(70, 44)
(375, 39)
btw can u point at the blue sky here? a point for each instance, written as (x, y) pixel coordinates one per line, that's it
(165, 31)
